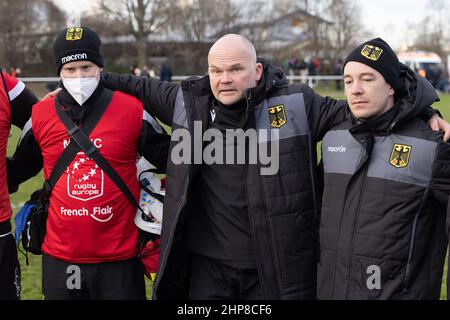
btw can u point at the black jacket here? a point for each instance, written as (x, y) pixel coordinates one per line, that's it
(386, 188)
(283, 207)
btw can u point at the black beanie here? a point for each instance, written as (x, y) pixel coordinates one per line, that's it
(77, 44)
(377, 54)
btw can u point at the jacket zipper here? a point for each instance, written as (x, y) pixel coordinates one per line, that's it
(314, 180)
(172, 229)
(340, 228)
(352, 240)
(411, 246)
(248, 98)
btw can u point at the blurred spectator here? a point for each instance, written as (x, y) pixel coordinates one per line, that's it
(135, 70)
(145, 72)
(152, 72)
(433, 73)
(338, 72)
(312, 69)
(295, 66)
(303, 67)
(317, 64)
(166, 73)
(443, 86)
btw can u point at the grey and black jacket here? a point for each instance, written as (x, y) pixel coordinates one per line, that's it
(283, 207)
(386, 188)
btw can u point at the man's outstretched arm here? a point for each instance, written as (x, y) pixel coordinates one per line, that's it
(157, 96)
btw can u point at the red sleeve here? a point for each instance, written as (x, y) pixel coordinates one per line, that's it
(21, 100)
(14, 86)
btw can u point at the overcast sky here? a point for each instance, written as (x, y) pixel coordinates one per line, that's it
(388, 19)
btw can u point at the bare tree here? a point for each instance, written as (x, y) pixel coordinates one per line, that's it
(345, 31)
(195, 18)
(106, 27)
(199, 22)
(27, 36)
(142, 18)
(432, 32)
(332, 29)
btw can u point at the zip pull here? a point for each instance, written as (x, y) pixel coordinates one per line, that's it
(392, 125)
(248, 99)
(248, 96)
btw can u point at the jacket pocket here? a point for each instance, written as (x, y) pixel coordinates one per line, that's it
(296, 242)
(374, 278)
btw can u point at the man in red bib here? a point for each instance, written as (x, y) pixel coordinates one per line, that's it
(15, 108)
(90, 246)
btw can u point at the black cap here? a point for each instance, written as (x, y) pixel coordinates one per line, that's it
(377, 54)
(77, 44)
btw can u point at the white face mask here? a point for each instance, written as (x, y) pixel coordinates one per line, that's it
(81, 88)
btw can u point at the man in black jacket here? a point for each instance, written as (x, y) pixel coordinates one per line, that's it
(229, 231)
(386, 186)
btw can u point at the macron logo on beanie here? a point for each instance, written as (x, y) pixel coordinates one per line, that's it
(74, 57)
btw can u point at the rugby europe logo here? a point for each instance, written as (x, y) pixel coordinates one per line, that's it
(85, 182)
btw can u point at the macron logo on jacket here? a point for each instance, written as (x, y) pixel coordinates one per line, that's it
(337, 149)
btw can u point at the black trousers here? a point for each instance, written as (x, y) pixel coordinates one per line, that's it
(118, 280)
(9, 264)
(213, 280)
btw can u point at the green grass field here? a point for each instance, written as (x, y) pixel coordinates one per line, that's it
(31, 274)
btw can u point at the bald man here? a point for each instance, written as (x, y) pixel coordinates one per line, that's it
(236, 225)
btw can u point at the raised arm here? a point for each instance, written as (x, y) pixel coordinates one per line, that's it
(323, 112)
(158, 96)
(21, 100)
